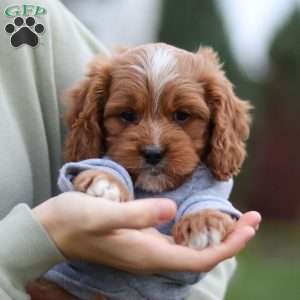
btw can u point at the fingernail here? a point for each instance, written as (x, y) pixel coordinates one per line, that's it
(166, 210)
(252, 232)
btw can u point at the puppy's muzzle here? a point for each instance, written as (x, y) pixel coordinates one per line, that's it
(153, 154)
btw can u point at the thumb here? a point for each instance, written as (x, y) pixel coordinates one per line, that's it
(142, 213)
(250, 218)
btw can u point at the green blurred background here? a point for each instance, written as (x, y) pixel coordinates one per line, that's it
(269, 269)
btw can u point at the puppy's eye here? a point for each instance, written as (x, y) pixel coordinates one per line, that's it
(128, 116)
(180, 116)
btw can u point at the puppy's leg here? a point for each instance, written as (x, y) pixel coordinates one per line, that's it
(101, 184)
(200, 230)
(42, 289)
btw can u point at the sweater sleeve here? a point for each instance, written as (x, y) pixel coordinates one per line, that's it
(213, 194)
(28, 253)
(72, 169)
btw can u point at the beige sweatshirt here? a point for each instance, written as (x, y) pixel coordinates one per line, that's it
(31, 81)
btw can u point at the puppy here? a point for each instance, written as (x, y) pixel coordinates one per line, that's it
(161, 113)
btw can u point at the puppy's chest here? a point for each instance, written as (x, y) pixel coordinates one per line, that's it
(178, 195)
(192, 188)
(199, 180)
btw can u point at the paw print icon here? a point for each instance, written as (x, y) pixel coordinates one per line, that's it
(24, 31)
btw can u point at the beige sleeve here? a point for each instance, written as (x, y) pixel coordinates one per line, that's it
(32, 80)
(214, 285)
(28, 252)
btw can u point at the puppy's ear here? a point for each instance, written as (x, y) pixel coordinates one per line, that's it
(85, 105)
(230, 119)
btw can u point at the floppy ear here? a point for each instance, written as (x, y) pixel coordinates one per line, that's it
(85, 105)
(230, 119)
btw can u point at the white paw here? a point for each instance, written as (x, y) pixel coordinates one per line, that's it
(104, 189)
(205, 238)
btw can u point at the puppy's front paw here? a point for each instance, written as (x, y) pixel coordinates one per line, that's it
(103, 188)
(200, 230)
(101, 184)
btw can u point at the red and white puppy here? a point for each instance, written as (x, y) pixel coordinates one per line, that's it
(160, 112)
(160, 104)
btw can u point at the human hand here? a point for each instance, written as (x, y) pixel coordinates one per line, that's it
(105, 232)
(160, 253)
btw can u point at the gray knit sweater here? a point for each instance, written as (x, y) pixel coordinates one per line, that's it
(86, 280)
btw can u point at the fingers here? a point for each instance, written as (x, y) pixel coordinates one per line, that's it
(100, 215)
(157, 254)
(205, 260)
(186, 259)
(243, 231)
(138, 214)
(235, 242)
(251, 218)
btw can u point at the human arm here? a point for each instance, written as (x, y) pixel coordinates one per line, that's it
(26, 252)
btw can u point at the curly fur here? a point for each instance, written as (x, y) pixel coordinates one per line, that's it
(229, 119)
(83, 117)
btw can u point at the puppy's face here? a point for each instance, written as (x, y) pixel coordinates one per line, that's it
(160, 112)
(156, 118)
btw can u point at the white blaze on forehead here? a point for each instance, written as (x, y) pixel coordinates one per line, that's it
(158, 63)
(156, 132)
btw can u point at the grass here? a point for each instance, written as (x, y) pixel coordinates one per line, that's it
(269, 269)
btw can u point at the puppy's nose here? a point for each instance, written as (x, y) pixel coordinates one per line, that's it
(153, 154)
